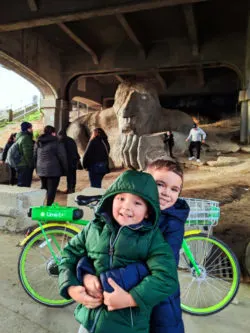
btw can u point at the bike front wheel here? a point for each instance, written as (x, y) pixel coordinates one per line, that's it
(218, 282)
(37, 269)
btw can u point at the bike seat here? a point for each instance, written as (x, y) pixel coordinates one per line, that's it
(84, 200)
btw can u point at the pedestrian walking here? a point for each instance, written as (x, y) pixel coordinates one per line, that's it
(197, 136)
(50, 161)
(96, 157)
(12, 171)
(169, 143)
(73, 159)
(25, 143)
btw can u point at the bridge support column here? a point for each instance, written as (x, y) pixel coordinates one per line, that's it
(62, 111)
(245, 107)
(48, 105)
(244, 98)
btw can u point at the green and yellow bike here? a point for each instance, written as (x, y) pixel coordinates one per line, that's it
(208, 270)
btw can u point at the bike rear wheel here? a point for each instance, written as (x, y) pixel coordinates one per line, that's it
(219, 281)
(37, 269)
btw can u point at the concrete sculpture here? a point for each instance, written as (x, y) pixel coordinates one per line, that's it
(132, 125)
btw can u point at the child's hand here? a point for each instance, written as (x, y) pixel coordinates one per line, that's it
(79, 294)
(93, 286)
(118, 299)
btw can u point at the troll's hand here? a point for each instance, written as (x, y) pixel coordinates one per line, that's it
(118, 299)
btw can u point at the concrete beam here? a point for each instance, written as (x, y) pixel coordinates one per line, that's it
(33, 5)
(119, 78)
(80, 42)
(129, 31)
(84, 15)
(200, 75)
(161, 81)
(192, 28)
(191, 66)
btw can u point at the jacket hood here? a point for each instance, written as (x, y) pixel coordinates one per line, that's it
(46, 138)
(138, 183)
(180, 210)
(20, 134)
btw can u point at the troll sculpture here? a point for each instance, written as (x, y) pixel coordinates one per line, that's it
(132, 124)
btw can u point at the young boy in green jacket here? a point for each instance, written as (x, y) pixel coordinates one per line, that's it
(123, 231)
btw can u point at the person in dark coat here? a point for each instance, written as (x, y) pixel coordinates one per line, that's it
(12, 171)
(50, 161)
(166, 317)
(25, 167)
(169, 142)
(73, 160)
(96, 157)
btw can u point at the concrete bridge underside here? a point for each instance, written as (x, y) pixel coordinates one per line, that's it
(184, 47)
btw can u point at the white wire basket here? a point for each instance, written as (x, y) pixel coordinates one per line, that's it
(202, 212)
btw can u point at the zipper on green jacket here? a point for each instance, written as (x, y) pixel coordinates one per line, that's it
(96, 319)
(111, 246)
(111, 254)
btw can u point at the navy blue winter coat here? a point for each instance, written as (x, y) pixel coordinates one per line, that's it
(166, 316)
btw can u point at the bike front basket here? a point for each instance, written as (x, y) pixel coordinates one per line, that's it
(202, 212)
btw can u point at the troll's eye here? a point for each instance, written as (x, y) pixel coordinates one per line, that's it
(144, 97)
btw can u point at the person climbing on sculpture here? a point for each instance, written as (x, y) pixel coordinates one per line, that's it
(166, 317)
(169, 143)
(197, 136)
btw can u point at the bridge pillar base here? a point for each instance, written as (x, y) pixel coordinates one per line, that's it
(62, 112)
(48, 105)
(244, 98)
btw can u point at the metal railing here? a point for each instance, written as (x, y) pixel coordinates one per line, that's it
(19, 113)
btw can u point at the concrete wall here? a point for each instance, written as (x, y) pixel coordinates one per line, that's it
(15, 204)
(88, 88)
(34, 52)
(175, 52)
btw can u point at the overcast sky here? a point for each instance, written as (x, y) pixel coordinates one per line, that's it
(15, 91)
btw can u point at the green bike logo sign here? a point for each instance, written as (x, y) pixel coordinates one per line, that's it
(51, 214)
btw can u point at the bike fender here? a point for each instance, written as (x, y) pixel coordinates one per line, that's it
(192, 232)
(46, 226)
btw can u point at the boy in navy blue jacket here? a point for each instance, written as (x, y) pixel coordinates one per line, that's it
(166, 316)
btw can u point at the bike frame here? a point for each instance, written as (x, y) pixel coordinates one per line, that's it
(46, 226)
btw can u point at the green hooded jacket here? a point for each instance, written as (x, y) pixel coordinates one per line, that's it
(112, 246)
(25, 144)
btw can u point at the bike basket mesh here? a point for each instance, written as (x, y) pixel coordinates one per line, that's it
(202, 212)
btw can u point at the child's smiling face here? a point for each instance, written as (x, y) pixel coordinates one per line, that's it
(169, 186)
(129, 209)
